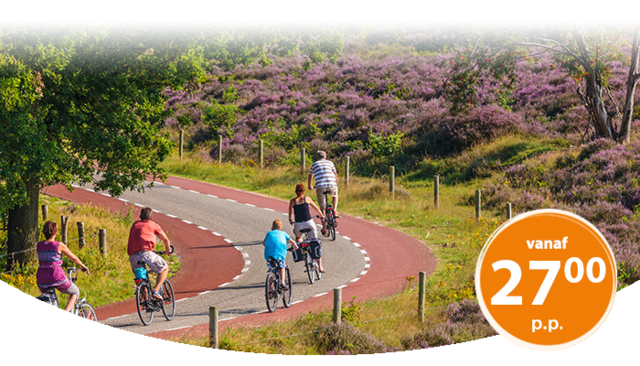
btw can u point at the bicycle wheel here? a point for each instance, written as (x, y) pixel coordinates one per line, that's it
(271, 291)
(308, 264)
(286, 294)
(168, 300)
(86, 311)
(331, 226)
(143, 297)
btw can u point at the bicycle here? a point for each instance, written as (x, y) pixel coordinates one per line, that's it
(273, 289)
(146, 303)
(330, 217)
(310, 264)
(81, 307)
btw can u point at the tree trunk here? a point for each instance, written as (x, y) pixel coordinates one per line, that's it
(22, 227)
(601, 121)
(634, 74)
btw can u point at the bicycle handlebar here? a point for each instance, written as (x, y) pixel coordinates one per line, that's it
(165, 252)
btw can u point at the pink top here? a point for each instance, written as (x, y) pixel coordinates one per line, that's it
(50, 272)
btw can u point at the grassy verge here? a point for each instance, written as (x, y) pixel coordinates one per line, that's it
(111, 279)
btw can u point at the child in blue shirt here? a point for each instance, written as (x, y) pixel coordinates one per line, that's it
(275, 246)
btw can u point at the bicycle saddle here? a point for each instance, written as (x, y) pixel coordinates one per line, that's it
(305, 230)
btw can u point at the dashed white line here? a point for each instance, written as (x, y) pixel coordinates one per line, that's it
(172, 216)
(268, 209)
(75, 186)
(246, 263)
(355, 279)
(216, 234)
(156, 211)
(245, 269)
(239, 248)
(203, 228)
(228, 241)
(89, 190)
(367, 259)
(206, 292)
(137, 204)
(224, 284)
(343, 286)
(186, 326)
(175, 187)
(363, 251)
(296, 302)
(236, 277)
(123, 200)
(181, 299)
(187, 222)
(190, 190)
(358, 245)
(245, 254)
(363, 273)
(250, 205)
(105, 194)
(230, 200)
(119, 317)
(346, 237)
(367, 265)
(321, 294)
(210, 195)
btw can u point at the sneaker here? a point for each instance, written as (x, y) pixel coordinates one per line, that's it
(284, 287)
(156, 295)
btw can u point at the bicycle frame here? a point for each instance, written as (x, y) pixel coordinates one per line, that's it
(80, 303)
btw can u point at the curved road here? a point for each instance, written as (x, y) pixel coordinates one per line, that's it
(218, 235)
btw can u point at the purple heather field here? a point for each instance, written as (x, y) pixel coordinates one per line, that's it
(380, 98)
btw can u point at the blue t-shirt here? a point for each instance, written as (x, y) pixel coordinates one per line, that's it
(275, 244)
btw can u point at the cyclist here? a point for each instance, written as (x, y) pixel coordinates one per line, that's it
(142, 242)
(50, 272)
(300, 207)
(275, 246)
(326, 178)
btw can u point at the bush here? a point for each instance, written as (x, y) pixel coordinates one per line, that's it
(344, 338)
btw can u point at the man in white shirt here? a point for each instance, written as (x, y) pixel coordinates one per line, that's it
(326, 179)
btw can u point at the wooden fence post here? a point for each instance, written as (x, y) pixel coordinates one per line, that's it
(261, 154)
(303, 160)
(219, 149)
(478, 203)
(421, 295)
(337, 305)
(63, 228)
(45, 213)
(213, 327)
(392, 178)
(81, 241)
(346, 173)
(181, 142)
(508, 211)
(436, 192)
(102, 235)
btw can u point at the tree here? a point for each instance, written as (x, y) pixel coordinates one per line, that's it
(583, 54)
(78, 103)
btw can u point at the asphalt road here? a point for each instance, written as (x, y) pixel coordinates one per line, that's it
(218, 233)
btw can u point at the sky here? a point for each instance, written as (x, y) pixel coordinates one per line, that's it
(309, 12)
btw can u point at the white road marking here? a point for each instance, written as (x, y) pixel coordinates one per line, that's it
(216, 234)
(230, 200)
(228, 241)
(224, 284)
(321, 294)
(358, 245)
(206, 292)
(202, 228)
(194, 191)
(172, 216)
(210, 195)
(346, 237)
(187, 222)
(250, 205)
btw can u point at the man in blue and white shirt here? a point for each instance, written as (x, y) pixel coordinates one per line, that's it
(326, 179)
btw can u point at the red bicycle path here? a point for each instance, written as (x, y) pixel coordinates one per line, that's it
(208, 261)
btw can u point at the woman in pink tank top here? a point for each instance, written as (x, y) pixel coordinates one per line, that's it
(50, 272)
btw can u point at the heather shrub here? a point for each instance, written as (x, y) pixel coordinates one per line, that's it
(601, 184)
(344, 338)
(465, 322)
(482, 124)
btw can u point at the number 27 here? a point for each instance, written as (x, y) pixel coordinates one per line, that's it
(503, 298)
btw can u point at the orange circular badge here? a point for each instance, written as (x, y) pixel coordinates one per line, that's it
(546, 279)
